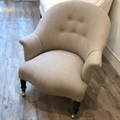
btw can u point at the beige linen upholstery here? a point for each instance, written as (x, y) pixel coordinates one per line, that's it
(46, 4)
(53, 74)
(68, 46)
(32, 46)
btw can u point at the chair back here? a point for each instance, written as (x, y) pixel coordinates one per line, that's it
(74, 26)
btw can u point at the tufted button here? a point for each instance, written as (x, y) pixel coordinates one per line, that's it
(70, 19)
(84, 36)
(81, 21)
(73, 32)
(62, 31)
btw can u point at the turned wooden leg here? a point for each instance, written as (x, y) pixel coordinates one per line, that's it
(23, 86)
(75, 109)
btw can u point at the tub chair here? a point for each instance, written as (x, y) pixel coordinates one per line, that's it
(65, 48)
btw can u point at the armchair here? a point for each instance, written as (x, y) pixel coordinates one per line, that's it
(65, 48)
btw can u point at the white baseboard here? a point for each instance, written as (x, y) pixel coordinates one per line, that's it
(112, 58)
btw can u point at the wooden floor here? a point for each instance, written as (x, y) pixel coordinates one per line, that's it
(101, 102)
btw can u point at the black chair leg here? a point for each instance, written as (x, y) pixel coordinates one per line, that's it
(40, 16)
(75, 109)
(23, 86)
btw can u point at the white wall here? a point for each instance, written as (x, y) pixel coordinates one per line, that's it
(112, 50)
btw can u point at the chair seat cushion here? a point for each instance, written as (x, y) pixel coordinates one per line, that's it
(56, 72)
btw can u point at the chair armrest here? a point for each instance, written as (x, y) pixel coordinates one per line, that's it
(32, 46)
(93, 61)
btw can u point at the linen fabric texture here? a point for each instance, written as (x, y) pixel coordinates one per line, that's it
(65, 48)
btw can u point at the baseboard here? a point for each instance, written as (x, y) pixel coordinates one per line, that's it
(112, 58)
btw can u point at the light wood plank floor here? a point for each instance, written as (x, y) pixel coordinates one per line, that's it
(101, 102)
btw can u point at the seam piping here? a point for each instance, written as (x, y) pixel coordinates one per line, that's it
(40, 40)
(91, 52)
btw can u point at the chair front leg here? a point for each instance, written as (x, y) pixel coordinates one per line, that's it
(23, 86)
(75, 109)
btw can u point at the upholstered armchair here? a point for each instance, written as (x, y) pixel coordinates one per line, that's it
(65, 48)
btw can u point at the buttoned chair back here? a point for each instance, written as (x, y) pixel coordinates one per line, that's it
(76, 27)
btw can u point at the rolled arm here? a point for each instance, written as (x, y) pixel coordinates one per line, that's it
(93, 61)
(32, 46)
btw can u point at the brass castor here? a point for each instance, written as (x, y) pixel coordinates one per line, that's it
(23, 87)
(73, 116)
(75, 109)
(23, 94)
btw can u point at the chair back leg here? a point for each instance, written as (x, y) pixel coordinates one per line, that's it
(75, 109)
